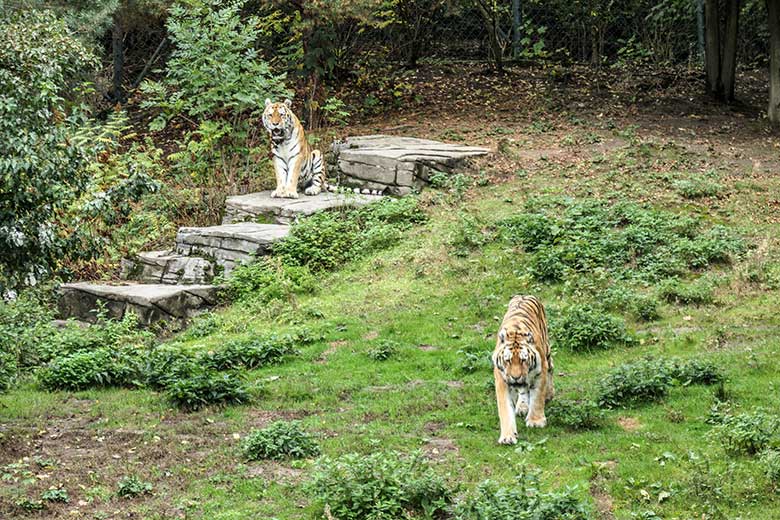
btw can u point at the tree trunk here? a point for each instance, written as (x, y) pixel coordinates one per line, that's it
(773, 7)
(700, 28)
(729, 67)
(712, 47)
(516, 23)
(118, 45)
(491, 24)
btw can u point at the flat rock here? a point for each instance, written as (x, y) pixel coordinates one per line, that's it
(229, 245)
(151, 302)
(397, 162)
(260, 206)
(166, 267)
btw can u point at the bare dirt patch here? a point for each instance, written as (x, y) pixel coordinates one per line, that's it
(333, 346)
(439, 450)
(629, 424)
(427, 348)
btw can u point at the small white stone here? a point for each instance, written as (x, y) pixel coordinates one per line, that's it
(357, 190)
(366, 191)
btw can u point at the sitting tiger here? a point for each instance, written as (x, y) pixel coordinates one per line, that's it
(296, 164)
(522, 367)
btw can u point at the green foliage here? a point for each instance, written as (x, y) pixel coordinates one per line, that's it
(25, 328)
(746, 433)
(634, 383)
(84, 369)
(629, 241)
(249, 353)
(379, 486)
(625, 299)
(770, 462)
(585, 328)
(55, 495)
(468, 235)
(204, 388)
(695, 372)
(524, 499)
(696, 187)
(697, 292)
(328, 240)
(41, 167)
(166, 364)
(8, 370)
(335, 111)
(473, 361)
(269, 279)
(575, 415)
(383, 350)
(280, 440)
(132, 486)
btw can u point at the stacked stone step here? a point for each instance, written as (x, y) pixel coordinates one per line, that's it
(177, 284)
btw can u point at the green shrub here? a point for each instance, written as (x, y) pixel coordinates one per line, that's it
(379, 486)
(584, 328)
(746, 433)
(55, 495)
(770, 461)
(532, 231)
(575, 415)
(524, 499)
(383, 350)
(166, 364)
(329, 239)
(206, 388)
(25, 327)
(699, 292)
(468, 234)
(280, 440)
(548, 265)
(473, 361)
(695, 372)
(102, 367)
(634, 383)
(131, 486)
(626, 299)
(249, 353)
(696, 187)
(269, 279)
(8, 370)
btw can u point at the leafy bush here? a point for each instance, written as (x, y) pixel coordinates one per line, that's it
(634, 383)
(695, 371)
(524, 499)
(55, 495)
(473, 361)
(166, 364)
(327, 240)
(102, 367)
(584, 328)
(575, 415)
(8, 370)
(770, 461)
(131, 486)
(269, 279)
(746, 433)
(204, 388)
(696, 187)
(25, 328)
(249, 353)
(468, 235)
(699, 292)
(532, 231)
(383, 350)
(379, 486)
(622, 298)
(280, 440)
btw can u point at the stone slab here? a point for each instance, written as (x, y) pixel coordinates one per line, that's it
(254, 206)
(151, 302)
(397, 161)
(167, 267)
(229, 245)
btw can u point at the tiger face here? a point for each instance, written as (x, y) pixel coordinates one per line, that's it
(516, 355)
(278, 119)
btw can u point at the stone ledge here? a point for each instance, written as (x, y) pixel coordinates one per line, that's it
(152, 303)
(254, 206)
(166, 267)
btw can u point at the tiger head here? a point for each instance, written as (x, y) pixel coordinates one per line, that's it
(278, 119)
(515, 355)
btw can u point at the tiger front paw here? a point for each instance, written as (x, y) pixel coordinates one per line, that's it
(522, 408)
(539, 422)
(508, 439)
(312, 190)
(277, 194)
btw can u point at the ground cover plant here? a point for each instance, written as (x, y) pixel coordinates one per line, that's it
(280, 440)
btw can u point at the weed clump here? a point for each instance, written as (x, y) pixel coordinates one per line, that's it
(280, 440)
(770, 462)
(269, 279)
(205, 388)
(468, 235)
(92, 368)
(8, 370)
(524, 499)
(55, 495)
(695, 372)
(699, 292)
(380, 486)
(249, 353)
(575, 415)
(383, 350)
(585, 328)
(634, 383)
(131, 486)
(696, 187)
(746, 433)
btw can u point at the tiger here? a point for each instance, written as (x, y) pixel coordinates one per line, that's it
(296, 164)
(522, 367)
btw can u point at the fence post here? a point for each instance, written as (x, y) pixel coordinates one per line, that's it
(516, 23)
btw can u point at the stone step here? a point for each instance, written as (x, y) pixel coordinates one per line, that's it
(229, 245)
(260, 207)
(167, 267)
(152, 303)
(395, 165)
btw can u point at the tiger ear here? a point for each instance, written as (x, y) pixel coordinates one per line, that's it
(288, 103)
(502, 335)
(267, 102)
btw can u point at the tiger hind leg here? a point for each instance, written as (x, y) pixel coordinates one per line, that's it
(317, 182)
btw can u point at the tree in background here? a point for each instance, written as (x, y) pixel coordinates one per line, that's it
(721, 21)
(41, 166)
(773, 7)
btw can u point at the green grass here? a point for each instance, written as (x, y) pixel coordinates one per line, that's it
(439, 292)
